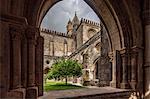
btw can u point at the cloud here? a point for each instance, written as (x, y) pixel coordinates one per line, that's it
(58, 16)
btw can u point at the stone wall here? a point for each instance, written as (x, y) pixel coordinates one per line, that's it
(56, 46)
(85, 31)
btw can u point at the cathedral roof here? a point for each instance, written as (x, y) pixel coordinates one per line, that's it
(75, 20)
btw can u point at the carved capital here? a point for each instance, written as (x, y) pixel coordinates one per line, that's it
(16, 32)
(123, 52)
(137, 49)
(32, 32)
(111, 56)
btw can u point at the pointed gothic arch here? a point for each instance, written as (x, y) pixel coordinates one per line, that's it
(119, 26)
(122, 19)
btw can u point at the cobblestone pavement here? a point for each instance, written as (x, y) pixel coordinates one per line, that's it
(79, 92)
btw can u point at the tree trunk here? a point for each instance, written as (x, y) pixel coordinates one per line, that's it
(66, 80)
(45, 78)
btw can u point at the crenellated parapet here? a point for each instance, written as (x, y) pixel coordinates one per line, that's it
(83, 20)
(55, 33)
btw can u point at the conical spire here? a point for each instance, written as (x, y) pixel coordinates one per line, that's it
(69, 27)
(75, 20)
(69, 22)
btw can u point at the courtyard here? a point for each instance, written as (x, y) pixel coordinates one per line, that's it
(58, 85)
(113, 50)
(91, 92)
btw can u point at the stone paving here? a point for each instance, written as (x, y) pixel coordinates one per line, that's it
(80, 92)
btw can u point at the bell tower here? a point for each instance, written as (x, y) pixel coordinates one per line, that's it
(75, 22)
(69, 27)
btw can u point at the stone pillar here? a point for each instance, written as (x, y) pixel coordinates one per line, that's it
(64, 50)
(115, 59)
(146, 21)
(31, 60)
(124, 82)
(53, 48)
(133, 69)
(49, 47)
(16, 57)
(39, 64)
(12, 28)
(31, 42)
(4, 59)
(16, 90)
(24, 61)
(140, 70)
(113, 83)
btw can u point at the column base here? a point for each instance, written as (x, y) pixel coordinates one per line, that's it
(17, 93)
(133, 84)
(32, 93)
(125, 85)
(113, 84)
(40, 90)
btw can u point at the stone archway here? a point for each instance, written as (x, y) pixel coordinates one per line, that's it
(123, 36)
(20, 22)
(115, 34)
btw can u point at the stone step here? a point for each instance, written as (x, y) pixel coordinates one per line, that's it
(89, 93)
(115, 95)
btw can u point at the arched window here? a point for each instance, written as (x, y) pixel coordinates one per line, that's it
(91, 32)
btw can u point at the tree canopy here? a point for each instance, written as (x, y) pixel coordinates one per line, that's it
(65, 68)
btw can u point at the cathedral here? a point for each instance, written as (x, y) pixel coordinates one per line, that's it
(82, 42)
(114, 52)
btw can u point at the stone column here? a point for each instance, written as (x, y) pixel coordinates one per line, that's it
(24, 61)
(133, 69)
(16, 56)
(31, 40)
(115, 59)
(49, 47)
(146, 19)
(39, 64)
(53, 48)
(124, 82)
(32, 90)
(140, 69)
(4, 59)
(64, 48)
(12, 28)
(113, 82)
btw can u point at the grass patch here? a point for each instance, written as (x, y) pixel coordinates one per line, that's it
(59, 86)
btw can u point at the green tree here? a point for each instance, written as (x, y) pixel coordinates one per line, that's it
(65, 68)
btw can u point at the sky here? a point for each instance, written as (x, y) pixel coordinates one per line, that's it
(57, 17)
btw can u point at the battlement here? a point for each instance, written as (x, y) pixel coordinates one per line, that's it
(55, 33)
(83, 20)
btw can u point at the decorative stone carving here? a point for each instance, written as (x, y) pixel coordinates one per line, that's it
(32, 33)
(111, 56)
(16, 32)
